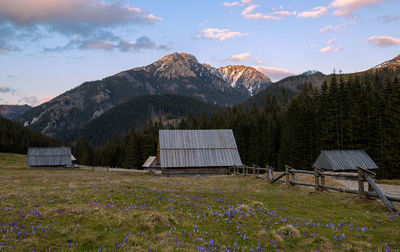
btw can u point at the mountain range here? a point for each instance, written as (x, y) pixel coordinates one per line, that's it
(13, 111)
(177, 73)
(73, 112)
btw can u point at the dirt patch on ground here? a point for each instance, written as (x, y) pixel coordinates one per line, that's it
(393, 190)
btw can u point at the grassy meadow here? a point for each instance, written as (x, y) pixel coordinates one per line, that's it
(42, 210)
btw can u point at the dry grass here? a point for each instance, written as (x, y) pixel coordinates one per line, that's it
(82, 210)
(389, 181)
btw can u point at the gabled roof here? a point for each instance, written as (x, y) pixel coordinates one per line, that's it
(49, 156)
(198, 148)
(344, 160)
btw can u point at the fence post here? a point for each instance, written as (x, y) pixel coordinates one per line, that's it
(360, 180)
(287, 175)
(322, 182)
(270, 171)
(316, 175)
(292, 177)
(243, 170)
(254, 170)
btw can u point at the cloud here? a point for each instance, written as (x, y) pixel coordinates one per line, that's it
(110, 44)
(7, 34)
(30, 100)
(274, 73)
(389, 18)
(347, 7)
(15, 96)
(140, 43)
(338, 49)
(332, 28)
(383, 41)
(314, 13)
(72, 16)
(5, 89)
(46, 99)
(219, 34)
(238, 57)
(247, 13)
(331, 48)
(325, 49)
(230, 4)
(331, 41)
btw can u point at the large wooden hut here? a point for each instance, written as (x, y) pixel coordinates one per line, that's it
(197, 152)
(344, 160)
(49, 157)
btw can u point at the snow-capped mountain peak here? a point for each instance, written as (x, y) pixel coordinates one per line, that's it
(247, 77)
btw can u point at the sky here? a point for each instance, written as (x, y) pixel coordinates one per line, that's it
(48, 47)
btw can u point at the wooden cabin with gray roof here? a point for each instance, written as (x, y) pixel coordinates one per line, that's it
(197, 152)
(50, 157)
(344, 161)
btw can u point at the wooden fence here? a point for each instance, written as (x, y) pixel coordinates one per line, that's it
(361, 176)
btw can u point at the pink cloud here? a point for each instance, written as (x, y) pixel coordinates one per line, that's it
(230, 4)
(338, 49)
(219, 34)
(383, 41)
(46, 99)
(72, 12)
(331, 41)
(238, 57)
(346, 7)
(325, 49)
(332, 28)
(277, 15)
(274, 73)
(315, 12)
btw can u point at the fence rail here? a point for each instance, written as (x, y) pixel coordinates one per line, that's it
(361, 176)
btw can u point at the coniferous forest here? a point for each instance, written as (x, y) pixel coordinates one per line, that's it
(16, 139)
(347, 112)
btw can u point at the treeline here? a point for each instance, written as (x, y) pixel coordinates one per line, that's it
(351, 113)
(16, 139)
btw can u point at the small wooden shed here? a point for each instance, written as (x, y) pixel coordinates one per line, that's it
(49, 157)
(197, 152)
(344, 160)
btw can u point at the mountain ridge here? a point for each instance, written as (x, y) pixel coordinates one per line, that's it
(13, 111)
(177, 73)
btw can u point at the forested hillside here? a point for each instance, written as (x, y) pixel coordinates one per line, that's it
(16, 139)
(347, 112)
(140, 111)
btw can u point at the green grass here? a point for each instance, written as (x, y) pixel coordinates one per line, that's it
(10, 160)
(82, 210)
